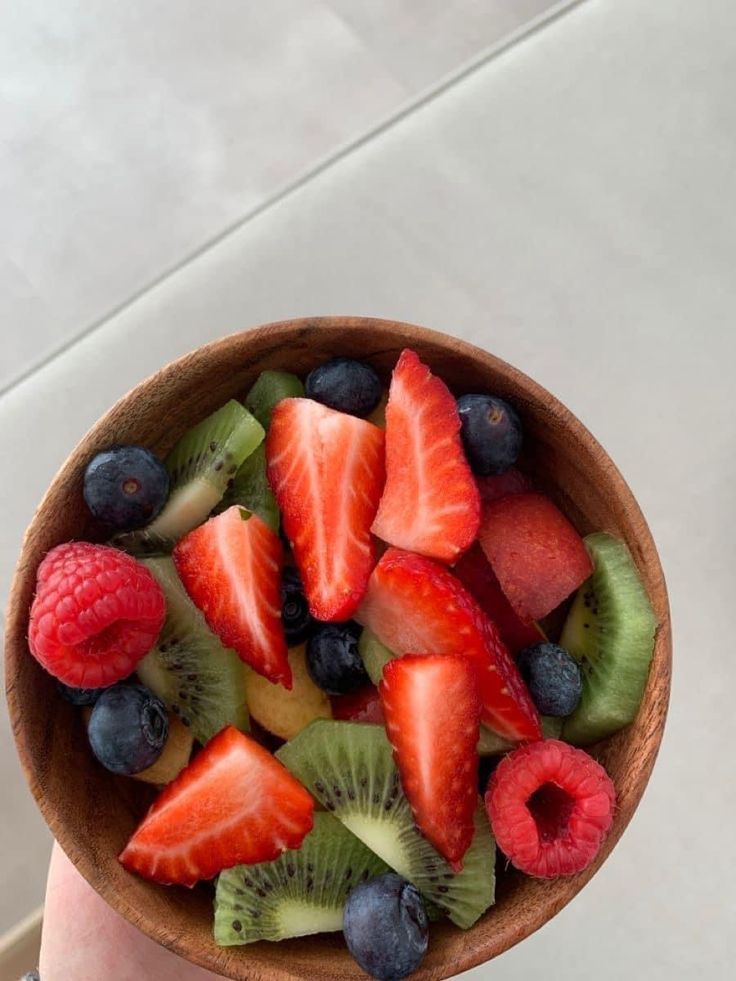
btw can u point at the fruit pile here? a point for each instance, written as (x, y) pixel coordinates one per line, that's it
(311, 623)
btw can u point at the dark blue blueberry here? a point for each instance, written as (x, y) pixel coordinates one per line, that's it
(491, 433)
(128, 728)
(385, 927)
(553, 678)
(125, 487)
(346, 385)
(333, 659)
(31, 976)
(486, 766)
(79, 696)
(295, 613)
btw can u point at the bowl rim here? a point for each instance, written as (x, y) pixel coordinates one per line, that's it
(16, 620)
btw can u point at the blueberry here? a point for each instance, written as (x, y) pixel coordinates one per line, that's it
(31, 976)
(79, 696)
(491, 433)
(295, 613)
(125, 487)
(553, 678)
(333, 659)
(385, 927)
(128, 728)
(346, 385)
(486, 766)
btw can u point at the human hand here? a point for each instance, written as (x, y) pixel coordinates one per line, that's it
(84, 939)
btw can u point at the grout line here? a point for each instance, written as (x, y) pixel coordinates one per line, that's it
(415, 104)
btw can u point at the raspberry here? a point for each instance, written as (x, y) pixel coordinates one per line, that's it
(96, 613)
(550, 806)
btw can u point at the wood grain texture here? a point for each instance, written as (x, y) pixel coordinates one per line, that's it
(92, 813)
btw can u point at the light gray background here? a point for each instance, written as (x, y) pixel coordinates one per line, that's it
(568, 204)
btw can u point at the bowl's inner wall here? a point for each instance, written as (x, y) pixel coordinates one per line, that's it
(93, 813)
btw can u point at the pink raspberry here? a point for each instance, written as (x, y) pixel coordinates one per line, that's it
(550, 806)
(96, 613)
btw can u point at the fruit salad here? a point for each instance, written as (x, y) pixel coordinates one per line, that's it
(327, 627)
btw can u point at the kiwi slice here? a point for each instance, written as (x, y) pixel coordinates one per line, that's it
(250, 489)
(610, 629)
(301, 892)
(201, 682)
(552, 726)
(349, 768)
(491, 744)
(375, 655)
(268, 390)
(200, 467)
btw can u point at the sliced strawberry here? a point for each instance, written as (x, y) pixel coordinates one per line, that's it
(415, 604)
(327, 471)
(432, 720)
(431, 503)
(231, 568)
(501, 485)
(537, 555)
(360, 706)
(234, 804)
(475, 573)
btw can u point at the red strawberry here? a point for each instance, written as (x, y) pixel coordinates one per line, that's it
(475, 573)
(231, 568)
(96, 613)
(431, 503)
(327, 471)
(536, 553)
(234, 804)
(501, 485)
(414, 604)
(432, 720)
(360, 706)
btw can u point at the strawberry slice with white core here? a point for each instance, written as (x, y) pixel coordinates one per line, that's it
(234, 804)
(432, 715)
(416, 605)
(231, 568)
(431, 503)
(326, 469)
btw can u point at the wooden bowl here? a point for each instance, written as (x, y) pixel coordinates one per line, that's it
(92, 813)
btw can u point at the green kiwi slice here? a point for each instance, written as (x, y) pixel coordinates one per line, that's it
(610, 629)
(199, 680)
(374, 654)
(349, 768)
(200, 467)
(251, 490)
(268, 390)
(491, 744)
(301, 892)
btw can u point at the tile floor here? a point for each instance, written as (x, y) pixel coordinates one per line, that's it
(133, 133)
(584, 232)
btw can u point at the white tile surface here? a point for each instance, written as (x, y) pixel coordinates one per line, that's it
(132, 132)
(569, 206)
(420, 40)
